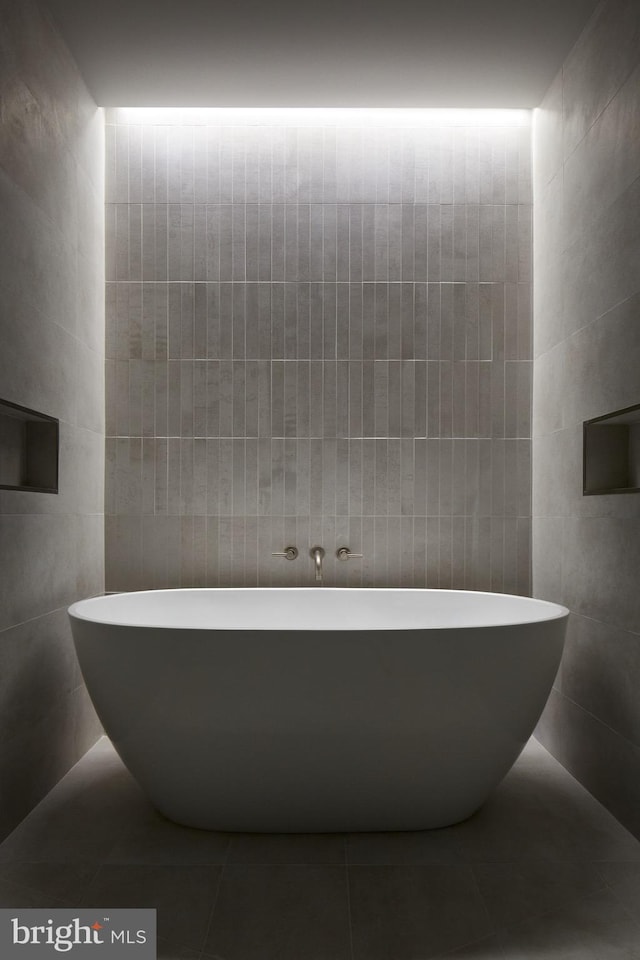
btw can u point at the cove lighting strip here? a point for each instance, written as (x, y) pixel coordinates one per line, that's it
(324, 116)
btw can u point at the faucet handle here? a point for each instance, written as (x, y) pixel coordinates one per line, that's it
(290, 553)
(343, 553)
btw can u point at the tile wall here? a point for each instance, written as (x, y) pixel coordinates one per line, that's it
(318, 331)
(51, 360)
(586, 550)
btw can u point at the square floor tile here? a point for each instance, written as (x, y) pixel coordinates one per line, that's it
(596, 928)
(152, 839)
(539, 812)
(301, 848)
(12, 895)
(182, 895)
(59, 881)
(168, 951)
(281, 912)
(82, 817)
(406, 912)
(514, 892)
(624, 880)
(423, 847)
(489, 948)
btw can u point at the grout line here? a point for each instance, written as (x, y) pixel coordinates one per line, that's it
(349, 913)
(126, 436)
(322, 281)
(47, 613)
(215, 898)
(599, 721)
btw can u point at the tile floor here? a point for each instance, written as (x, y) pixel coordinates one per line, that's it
(542, 871)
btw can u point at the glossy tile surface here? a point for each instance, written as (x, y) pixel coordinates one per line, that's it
(542, 870)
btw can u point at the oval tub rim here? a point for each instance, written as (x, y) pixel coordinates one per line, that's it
(556, 611)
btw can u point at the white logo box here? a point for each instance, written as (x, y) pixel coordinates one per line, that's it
(80, 934)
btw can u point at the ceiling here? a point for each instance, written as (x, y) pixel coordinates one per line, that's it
(332, 53)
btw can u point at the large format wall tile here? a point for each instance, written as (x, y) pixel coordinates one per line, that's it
(548, 250)
(601, 560)
(605, 762)
(599, 671)
(51, 360)
(586, 548)
(601, 267)
(604, 164)
(547, 134)
(598, 66)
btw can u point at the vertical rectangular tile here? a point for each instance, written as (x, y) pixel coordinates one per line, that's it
(381, 242)
(354, 233)
(381, 483)
(420, 398)
(343, 303)
(394, 476)
(264, 241)
(459, 258)
(342, 398)
(330, 240)
(329, 405)
(299, 299)
(316, 398)
(407, 398)
(316, 241)
(420, 321)
(303, 242)
(445, 551)
(368, 242)
(213, 242)
(329, 481)
(315, 476)
(394, 243)
(406, 321)
(264, 321)
(251, 242)
(421, 242)
(368, 476)
(355, 503)
(472, 166)
(329, 321)
(342, 242)
(381, 319)
(392, 401)
(277, 399)
(302, 467)
(277, 351)
(458, 399)
(213, 488)
(394, 320)
(264, 476)
(290, 397)
(225, 395)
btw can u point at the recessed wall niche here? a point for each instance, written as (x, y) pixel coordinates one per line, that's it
(611, 452)
(28, 449)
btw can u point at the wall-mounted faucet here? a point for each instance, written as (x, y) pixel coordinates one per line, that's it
(317, 553)
(289, 553)
(343, 553)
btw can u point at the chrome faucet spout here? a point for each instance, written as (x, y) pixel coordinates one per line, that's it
(317, 553)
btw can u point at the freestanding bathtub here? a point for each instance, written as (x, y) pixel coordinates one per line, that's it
(312, 710)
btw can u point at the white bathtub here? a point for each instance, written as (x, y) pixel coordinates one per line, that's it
(318, 710)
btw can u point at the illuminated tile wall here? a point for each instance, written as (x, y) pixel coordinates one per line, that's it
(318, 331)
